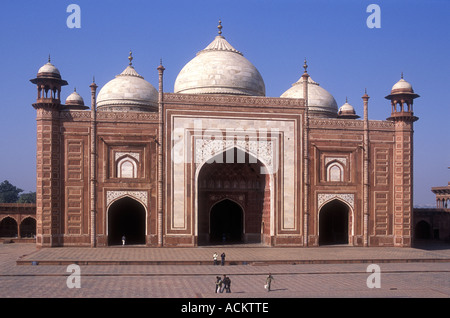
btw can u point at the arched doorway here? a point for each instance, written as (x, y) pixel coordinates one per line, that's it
(126, 217)
(28, 227)
(334, 223)
(235, 183)
(226, 222)
(423, 230)
(8, 227)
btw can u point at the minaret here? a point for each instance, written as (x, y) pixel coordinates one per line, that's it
(93, 164)
(48, 155)
(366, 172)
(306, 184)
(160, 143)
(401, 97)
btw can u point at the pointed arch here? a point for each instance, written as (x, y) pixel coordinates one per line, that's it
(226, 221)
(335, 172)
(8, 227)
(235, 176)
(127, 217)
(28, 227)
(335, 222)
(127, 167)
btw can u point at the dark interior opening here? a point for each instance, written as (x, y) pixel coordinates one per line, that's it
(333, 223)
(226, 222)
(126, 218)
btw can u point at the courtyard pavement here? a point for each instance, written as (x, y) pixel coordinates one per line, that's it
(235, 255)
(188, 274)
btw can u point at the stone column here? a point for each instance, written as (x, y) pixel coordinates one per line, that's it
(366, 185)
(306, 185)
(93, 164)
(160, 156)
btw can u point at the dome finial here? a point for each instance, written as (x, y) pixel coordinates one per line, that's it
(402, 75)
(49, 57)
(305, 66)
(346, 100)
(130, 58)
(220, 27)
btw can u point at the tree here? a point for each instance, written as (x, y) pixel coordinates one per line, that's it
(29, 197)
(8, 192)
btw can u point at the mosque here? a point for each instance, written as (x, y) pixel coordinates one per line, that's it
(219, 162)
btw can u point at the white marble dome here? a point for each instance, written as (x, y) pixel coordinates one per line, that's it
(49, 70)
(347, 108)
(220, 69)
(129, 91)
(75, 99)
(320, 102)
(402, 86)
(347, 111)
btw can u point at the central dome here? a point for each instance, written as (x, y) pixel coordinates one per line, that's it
(220, 69)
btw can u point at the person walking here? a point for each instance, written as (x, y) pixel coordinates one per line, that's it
(123, 240)
(223, 258)
(269, 280)
(218, 285)
(215, 255)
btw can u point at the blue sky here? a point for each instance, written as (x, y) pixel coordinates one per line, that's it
(344, 56)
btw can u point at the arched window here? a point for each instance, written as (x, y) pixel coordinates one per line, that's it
(335, 172)
(126, 168)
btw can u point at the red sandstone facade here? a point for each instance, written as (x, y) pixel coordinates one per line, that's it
(205, 168)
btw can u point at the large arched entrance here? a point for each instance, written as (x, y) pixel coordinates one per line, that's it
(233, 198)
(334, 223)
(126, 217)
(226, 222)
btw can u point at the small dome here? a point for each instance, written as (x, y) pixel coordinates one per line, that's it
(128, 91)
(74, 102)
(220, 69)
(75, 99)
(320, 102)
(402, 86)
(49, 75)
(347, 111)
(49, 70)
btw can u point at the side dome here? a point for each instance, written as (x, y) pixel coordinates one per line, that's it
(220, 69)
(74, 102)
(347, 111)
(75, 99)
(320, 102)
(128, 92)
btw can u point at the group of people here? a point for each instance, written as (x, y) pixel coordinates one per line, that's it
(223, 284)
(222, 257)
